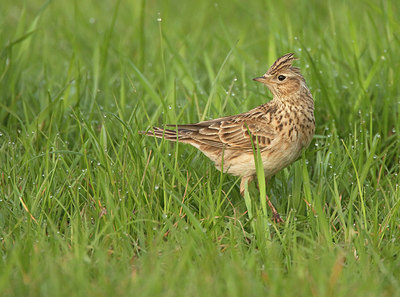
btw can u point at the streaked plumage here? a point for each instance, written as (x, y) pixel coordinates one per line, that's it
(283, 126)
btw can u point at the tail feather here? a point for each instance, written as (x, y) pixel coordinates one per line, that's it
(169, 134)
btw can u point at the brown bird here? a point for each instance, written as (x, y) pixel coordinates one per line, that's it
(282, 127)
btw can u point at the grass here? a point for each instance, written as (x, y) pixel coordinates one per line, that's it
(90, 208)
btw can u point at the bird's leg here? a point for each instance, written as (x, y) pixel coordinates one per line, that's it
(245, 180)
(275, 215)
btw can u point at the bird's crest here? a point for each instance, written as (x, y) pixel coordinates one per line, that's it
(282, 63)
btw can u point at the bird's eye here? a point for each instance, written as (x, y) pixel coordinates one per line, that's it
(281, 77)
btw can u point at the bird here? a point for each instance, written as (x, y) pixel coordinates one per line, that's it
(281, 128)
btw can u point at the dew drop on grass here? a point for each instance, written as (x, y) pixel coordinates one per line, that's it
(169, 107)
(156, 187)
(164, 216)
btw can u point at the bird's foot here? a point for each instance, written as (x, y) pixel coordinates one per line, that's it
(276, 218)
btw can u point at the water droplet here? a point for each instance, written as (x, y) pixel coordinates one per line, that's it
(159, 19)
(156, 187)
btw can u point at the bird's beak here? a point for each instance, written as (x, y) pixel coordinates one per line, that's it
(261, 79)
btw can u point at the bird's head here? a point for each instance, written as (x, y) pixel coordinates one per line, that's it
(282, 79)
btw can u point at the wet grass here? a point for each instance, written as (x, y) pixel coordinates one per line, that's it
(90, 208)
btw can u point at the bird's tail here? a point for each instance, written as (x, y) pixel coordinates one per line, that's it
(169, 134)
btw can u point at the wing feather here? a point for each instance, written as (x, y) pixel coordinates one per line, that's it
(233, 132)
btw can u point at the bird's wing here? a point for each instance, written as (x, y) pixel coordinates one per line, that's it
(234, 132)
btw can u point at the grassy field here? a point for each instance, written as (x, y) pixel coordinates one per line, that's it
(88, 207)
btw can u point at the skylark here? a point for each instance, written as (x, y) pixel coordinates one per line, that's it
(282, 127)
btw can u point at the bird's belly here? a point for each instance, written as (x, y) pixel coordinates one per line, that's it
(276, 160)
(242, 163)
